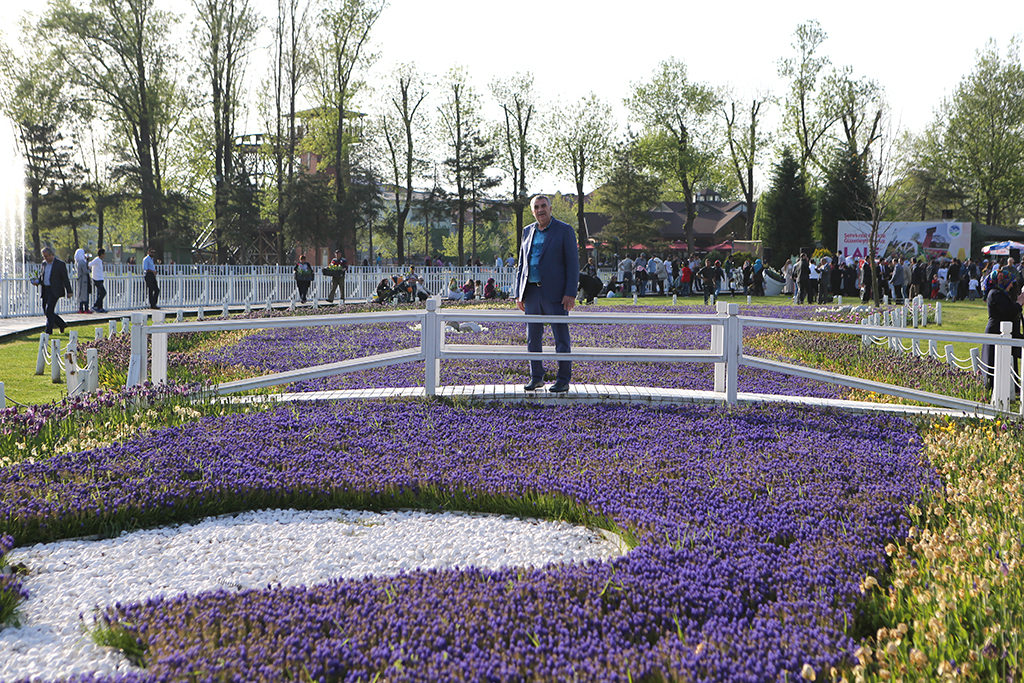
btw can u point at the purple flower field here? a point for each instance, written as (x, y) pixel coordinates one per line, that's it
(268, 351)
(753, 527)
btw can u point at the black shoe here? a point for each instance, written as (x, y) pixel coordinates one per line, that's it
(559, 387)
(534, 385)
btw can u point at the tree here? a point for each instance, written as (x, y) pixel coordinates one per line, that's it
(885, 168)
(400, 124)
(804, 117)
(480, 157)
(118, 52)
(785, 214)
(845, 195)
(225, 33)
(312, 211)
(858, 106)
(627, 197)
(289, 69)
(678, 116)
(345, 27)
(976, 144)
(518, 103)
(746, 146)
(579, 148)
(36, 96)
(460, 119)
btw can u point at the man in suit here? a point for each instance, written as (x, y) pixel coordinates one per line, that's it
(547, 277)
(55, 283)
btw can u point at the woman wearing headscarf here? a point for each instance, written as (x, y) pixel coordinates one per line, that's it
(1005, 302)
(758, 278)
(82, 269)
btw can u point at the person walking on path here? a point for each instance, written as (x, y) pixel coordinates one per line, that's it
(82, 276)
(96, 268)
(55, 284)
(547, 277)
(338, 268)
(149, 270)
(303, 277)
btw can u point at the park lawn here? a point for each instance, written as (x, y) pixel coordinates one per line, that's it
(18, 366)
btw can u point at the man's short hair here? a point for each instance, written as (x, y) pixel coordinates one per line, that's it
(47, 250)
(101, 252)
(539, 196)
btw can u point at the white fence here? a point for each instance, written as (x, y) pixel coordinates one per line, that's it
(215, 286)
(725, 351)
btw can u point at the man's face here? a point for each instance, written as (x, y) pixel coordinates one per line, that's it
(152, 252)
(541, 211)
(48, 256)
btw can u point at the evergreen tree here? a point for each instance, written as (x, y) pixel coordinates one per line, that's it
(628, 197)
(786, 212)
(846, 196)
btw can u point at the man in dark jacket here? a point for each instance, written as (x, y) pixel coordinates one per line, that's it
(55, 284)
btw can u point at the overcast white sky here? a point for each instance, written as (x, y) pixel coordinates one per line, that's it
(917, 51)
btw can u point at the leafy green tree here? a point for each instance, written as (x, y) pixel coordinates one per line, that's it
(312, 209)
(785, 214)
(976, 145)
(224, 34)
(344, 31)
(460, 120)
(679, 117)
(627, 198)
(289, 71)
(480, 158)
(518, 104)
(806, 116)
(579, 147)
(845, 196)
(747, 143)
(36, 96)
(119, 53)
(401, 126)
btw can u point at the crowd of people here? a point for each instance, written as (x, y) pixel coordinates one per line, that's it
(820, 280)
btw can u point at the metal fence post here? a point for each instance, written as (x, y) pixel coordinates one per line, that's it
(159, 350)
(949, 355)
(975, 360)
(430, 342)
(938, 313)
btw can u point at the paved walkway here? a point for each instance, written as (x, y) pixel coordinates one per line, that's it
(12, 327)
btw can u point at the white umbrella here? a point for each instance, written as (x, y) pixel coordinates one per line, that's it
(1002, 248)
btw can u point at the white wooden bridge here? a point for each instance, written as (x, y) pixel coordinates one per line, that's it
(725, 353)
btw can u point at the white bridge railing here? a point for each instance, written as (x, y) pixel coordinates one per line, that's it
(725, 351)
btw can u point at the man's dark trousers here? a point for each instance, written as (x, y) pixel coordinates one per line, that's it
(50, 300)
(535, 304)
(101, 294)
(154, 290)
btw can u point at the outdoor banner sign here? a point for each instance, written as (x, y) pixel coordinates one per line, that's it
(907, 239)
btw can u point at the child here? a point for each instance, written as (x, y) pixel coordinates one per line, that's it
(935, 287)
(972, 289)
